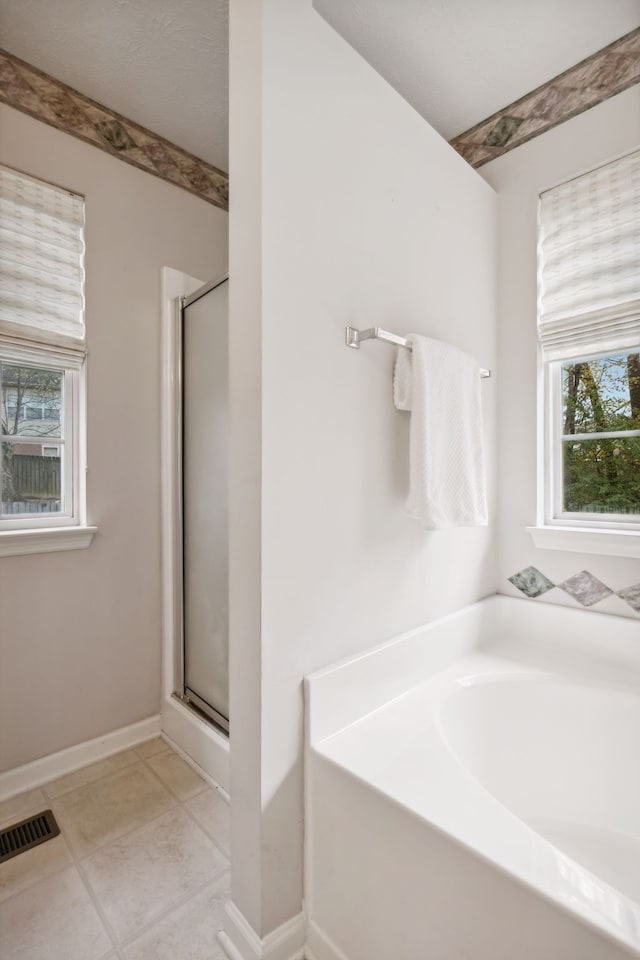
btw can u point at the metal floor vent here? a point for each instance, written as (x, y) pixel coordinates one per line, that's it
(27, 834)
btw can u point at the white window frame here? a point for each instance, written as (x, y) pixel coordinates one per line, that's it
(581, 533)
(52, 533)
(73, 436)
(553, 514)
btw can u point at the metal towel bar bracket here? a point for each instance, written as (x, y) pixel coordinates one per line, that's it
(355, 337)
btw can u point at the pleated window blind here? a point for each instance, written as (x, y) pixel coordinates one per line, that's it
(589, 262)
(41, 261)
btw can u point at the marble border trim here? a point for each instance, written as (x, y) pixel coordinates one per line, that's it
(584, 587)
(29, 90)
(602, 75)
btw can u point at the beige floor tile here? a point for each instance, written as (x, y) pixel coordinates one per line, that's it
(214, 816)
(56, 788)
(32, 866)
(22, 806)
(190, 932)
(177, 775)
(138, 878)
(150, 747)
(55, 920)
(99, 812)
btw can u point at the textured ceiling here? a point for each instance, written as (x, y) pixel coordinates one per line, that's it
(459, 61)
(164, 63)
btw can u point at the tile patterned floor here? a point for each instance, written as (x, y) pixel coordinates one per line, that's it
(139, 872)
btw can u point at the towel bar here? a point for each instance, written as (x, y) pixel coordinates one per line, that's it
(354, 338)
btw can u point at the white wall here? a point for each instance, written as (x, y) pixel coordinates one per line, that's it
(580, 144)
(348, 208)
(80, 632)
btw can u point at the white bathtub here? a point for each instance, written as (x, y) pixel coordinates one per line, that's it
(473, 791)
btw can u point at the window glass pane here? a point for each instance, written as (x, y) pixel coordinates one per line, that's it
(602, 476)
(31, 401)
(30, 478)
(601, 395)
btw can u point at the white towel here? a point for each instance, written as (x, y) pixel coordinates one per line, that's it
(440, 385)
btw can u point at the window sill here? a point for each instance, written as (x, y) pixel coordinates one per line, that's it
(16, 543)
(611, 543)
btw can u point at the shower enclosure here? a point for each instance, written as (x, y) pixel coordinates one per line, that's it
(203, 498)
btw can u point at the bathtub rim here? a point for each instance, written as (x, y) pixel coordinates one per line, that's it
(342, 692)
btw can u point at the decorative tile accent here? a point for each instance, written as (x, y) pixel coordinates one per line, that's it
(115, 134)
(603, 74)
(503, 131)
(27, 89)
(585, 588)
(531, 582)
(632, 596)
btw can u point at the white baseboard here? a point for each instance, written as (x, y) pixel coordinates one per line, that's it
(198, 740)
(58, 764)
(241, 942)
(229, 950)
(319, 946)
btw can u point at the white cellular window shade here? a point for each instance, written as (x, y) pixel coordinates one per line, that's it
(589, 262)
(41, 262)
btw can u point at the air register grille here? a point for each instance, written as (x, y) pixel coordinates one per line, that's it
(26, 834)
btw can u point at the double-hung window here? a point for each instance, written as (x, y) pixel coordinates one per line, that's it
(42, 367)
(589, 333)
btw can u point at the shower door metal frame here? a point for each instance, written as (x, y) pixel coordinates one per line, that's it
(187, 696)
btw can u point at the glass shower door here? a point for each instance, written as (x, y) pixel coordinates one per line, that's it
(205, 418)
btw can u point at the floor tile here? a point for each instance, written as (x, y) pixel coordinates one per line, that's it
(138, 878)
(56, 788)
(55, 920)
(150, 747)
(190, 932)
(214, 816)
(22, 806)
(99, 812)
(177, 775)
(32, 866)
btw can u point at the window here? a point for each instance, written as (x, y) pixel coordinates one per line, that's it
(42, 411)
(42, 364)
(589, 332)
(596, 438)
